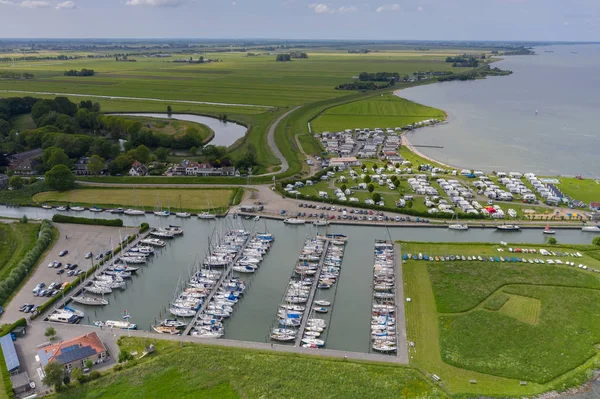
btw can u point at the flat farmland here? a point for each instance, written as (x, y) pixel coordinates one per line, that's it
(382, 111)
(236, 78)
(192, 199)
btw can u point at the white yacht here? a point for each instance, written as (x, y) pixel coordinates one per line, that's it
(591, 229)
(183, 214)
(508, 227)
(458, 226)
(206, 215)
(294, 221)
(320, 222)
(125, 325)
(89, 300)
(133, 212)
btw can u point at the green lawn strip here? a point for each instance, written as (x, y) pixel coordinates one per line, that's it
(498, 344)
(496, 301)
(192, 199)
(386, 110)
(205, 371)
(18, 238)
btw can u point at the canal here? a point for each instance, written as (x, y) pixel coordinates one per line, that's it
(148, 294)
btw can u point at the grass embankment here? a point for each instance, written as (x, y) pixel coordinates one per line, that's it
(386, 110)
(192, 199)
(502, 323)
(175, 128)
(16, 240)
(587, 190)
(199, 371)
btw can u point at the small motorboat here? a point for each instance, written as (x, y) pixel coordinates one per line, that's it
(322, 303)
(547, 230)
(321, 309)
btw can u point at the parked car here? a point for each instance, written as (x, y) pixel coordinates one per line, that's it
(60, 271)
(57, 265)
(63, 252)
(88, 255)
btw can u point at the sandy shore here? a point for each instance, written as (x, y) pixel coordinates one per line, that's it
(406, 143)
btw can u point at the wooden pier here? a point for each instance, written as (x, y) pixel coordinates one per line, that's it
(311, 296)
(226, 274)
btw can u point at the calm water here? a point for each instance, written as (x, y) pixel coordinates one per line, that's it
(226, 133)
(493, 125)
(148, 294)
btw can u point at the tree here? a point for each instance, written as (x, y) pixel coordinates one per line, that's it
(53, 156)
(376, 197)
(397, 165)
(552, 241)
(16, 182)
(50, 332)
(371, 188)
(161, 154)
(60, 178)
(55, 373)
(193, 151)
(4, 127)
(375, 167)
(596, 241)
(343, 188)
(119, 164)
(24, 219)
(363, 166)
(88, 363)
(76, 372)
(96, 164)
(124, 356)
(367, 179)
(169, 110)
(142, 154)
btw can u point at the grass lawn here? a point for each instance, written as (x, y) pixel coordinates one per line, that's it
(501, 323)
(174, 128)
(587, 190)
(16, 240)
(193, 199)
(386, 110)
(199, 371)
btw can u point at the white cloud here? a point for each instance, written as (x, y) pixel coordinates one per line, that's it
(389, 7)
(35, 4)
(6, 2)
(66, 5)
(320, 8)
(155, 3)
(344, 9)
(234, 3)
(419, 9)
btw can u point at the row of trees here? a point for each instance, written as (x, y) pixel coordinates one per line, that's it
(363, 86)
(83, 72)
(378, 76)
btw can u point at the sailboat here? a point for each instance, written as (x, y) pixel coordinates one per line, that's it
(158, 211)
(591, 229)
(206, 215)
(457, 226)
(134, 211)
(547, 230)
(181, 213)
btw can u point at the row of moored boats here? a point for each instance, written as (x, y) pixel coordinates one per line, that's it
(384, 338)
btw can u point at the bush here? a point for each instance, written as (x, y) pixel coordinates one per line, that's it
(596, 240)
(552, 241)
(124, 356)
(77, 220)
(94, 375)
(6, 378)
(83, 378)
(144, 227)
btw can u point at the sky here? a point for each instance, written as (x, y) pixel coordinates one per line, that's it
(535, 20)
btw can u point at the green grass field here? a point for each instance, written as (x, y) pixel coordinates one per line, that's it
(501, 323)
(193, 199)
(173, 127)
(587, 190)
(386, 110)
(16, 239)
(199, 371)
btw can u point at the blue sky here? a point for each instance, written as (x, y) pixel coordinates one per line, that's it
(552, 20)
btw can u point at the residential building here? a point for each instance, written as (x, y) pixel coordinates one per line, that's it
(138, 169)
(10, 354)
(74, 352)
(343, 163)
(191, 168)
(25, 163)
(80, 167)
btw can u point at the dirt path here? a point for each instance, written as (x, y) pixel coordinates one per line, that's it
(136, 98)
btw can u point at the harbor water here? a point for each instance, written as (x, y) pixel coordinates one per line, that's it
(148, 294)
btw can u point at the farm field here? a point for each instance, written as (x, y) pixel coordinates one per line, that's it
(200, 371)
(16, 239)
(193, 199)
(501, 323)
(386, 110)
(235, 79)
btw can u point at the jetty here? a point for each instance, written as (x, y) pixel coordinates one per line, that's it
(311, 295)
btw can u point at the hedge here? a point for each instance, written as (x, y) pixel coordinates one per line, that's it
(6, 378)
(79, 279)
(101, 222)
(31, 258)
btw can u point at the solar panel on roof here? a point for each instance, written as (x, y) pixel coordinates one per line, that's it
(10, 354)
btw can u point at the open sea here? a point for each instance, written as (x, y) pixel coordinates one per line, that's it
(493, 124)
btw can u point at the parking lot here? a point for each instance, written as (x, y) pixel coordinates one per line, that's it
(78, 240)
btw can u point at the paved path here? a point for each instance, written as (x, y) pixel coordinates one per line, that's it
(271, 140)
(136, 98)
(402, 352)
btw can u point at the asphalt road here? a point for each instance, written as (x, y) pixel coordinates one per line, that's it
(271, 140)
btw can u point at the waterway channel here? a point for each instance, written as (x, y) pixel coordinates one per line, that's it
(226, 133)
(148, 294)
